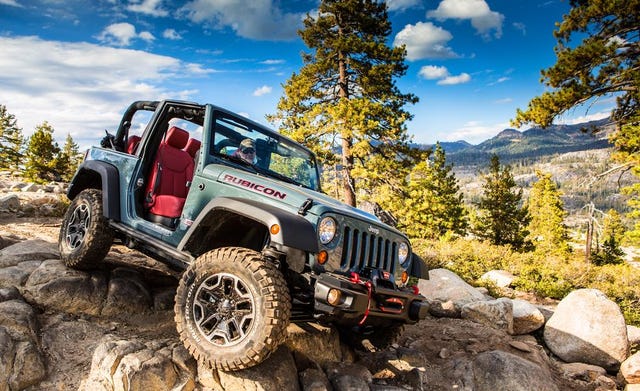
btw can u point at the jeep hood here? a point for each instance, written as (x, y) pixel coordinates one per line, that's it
(291, 195)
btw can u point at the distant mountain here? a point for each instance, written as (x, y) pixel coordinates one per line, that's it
(511, 145)
(448, 146)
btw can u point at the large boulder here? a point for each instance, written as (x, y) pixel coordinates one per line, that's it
(29, 250)
(136, 365)
(21, 363)
(495, 313)
(630, 369)
(588, 327)
(527, 318)
(498, 370)
(445, 286)
(499, 278)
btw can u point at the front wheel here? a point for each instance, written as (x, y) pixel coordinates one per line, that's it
(85, 237)
(232, 308)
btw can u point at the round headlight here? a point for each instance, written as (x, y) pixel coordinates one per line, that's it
(327, 229)
(403, 252)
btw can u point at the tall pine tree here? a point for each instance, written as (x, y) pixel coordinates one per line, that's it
(68, 159)
(501, 220)
(42, 151)
(344, 103)
(610, 252)
(11, 141)
(547, 230)
(434, 205)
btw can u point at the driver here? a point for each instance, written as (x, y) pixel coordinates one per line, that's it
(247, 151)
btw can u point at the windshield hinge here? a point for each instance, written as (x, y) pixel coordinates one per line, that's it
(306, 205)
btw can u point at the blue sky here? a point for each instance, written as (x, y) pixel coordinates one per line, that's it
(78, 63)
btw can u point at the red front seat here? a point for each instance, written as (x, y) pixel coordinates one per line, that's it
(168, 182)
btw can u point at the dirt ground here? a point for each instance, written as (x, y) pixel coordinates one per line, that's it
(70, 340)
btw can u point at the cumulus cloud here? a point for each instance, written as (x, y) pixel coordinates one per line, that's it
(262, 91)
(475, 131)
(452, 80)
(482, 18)
(425, 40)
(171, 34)
(12, 3)
(401, 5)
(257, 19)
(121, 34)
(148, 7)
(432, 72)
(82, 88)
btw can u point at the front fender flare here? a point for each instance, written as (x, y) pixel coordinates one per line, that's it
(87, 177)
(295, 231)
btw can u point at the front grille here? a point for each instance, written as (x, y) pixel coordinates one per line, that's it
(361, 249)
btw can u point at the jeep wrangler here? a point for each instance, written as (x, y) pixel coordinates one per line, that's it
(257, 242)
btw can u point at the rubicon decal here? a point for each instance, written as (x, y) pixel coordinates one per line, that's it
(254, 186)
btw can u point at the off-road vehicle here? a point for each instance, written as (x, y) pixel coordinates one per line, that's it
(258, 243)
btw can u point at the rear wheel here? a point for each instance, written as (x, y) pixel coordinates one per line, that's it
(85, 237)
(232, 308)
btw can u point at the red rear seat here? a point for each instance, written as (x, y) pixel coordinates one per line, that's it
(193, 145)
(132, 144)
(168, 182)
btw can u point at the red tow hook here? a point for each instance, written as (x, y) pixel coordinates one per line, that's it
(366, 313)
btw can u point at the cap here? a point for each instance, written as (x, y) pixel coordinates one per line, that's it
(248, 143)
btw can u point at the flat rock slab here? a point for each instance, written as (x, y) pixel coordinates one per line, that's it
(29, 250)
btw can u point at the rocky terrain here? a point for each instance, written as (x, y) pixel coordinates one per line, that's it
(113, 329)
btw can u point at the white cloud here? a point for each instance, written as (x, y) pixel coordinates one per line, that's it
(82, 88)
(256, 19)
(171, 34)
(272, 62)
(12, 3)
(452, 80)
(504, 100)
(431, 72)
(148, 7)
(262, 91)
(521, 27)
(401, 5)
(564, 120)
(475, 132)
(425, 40)
(482, 18)
(121, 34)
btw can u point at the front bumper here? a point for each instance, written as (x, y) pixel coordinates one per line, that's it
(367, 300)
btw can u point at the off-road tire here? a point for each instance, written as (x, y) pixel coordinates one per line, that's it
(235, 287)
(85, 237)
(380, 337)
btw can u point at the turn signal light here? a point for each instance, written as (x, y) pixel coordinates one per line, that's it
(334, 297)
(275, 229)
(322, 257)
(405, 277)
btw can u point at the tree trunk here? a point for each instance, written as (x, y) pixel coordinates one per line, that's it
(348, 184)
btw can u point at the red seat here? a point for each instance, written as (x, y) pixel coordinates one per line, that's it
(170, 178)
(132, 144)
(193, 145)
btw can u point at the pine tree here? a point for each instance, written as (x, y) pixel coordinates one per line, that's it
(501, 219)
(612, 234)
(627, 143)
(11, 141)
(597, 56)
(346, 94)
(547, 230)
(42, 151)
(68, 159)
(434, 206)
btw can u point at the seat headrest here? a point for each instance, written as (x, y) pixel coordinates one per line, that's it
(192, 146)
(177, 137)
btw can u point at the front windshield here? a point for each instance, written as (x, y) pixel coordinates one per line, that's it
(268, 154)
